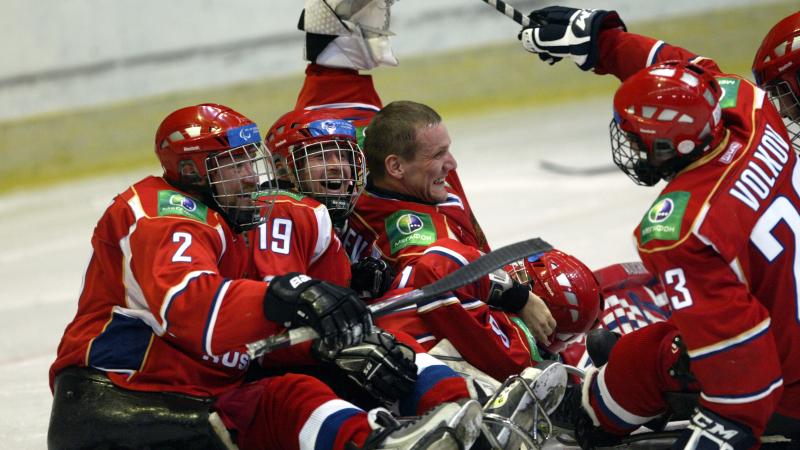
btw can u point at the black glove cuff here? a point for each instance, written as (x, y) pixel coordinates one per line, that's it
(282, 299)
(513, 299)
(604, 20)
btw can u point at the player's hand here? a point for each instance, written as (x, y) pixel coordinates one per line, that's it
(371, 277)
(538, 319)
(558, 32)
(382, 366)
(336, 313)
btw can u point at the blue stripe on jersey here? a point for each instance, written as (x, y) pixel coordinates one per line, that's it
(439, 298)
(447, 255)
(696, 355)
(745, 398)
(595, 388)
(653, 56)
(173, 297)
(326, 436)
(122, 346)
(426, 380)
(211, 309)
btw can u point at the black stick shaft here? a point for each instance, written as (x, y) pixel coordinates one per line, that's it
(509, 11)
(465, 275)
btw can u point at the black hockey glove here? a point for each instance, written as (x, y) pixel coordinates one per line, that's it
(381, 365)
(710, 431)
(558, 32)
(505, 293)
(371, 277)
(570, 415)
(336, 313)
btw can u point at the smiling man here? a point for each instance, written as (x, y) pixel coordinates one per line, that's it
(408, 203)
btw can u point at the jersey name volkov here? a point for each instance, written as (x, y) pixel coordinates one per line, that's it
(756, 181)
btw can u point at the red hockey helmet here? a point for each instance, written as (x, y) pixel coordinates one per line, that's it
(212, 150)
(570, 291)
(665, 117)
(318, 152)
(776, 68)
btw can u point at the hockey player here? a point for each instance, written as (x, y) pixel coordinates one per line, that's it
(777, 70)
(319, 160)
(155, 357)
(333, 84)
(719, 237)
(494, 341)
(343, 37)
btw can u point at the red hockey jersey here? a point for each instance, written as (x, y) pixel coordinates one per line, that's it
(163, 305)
(487, 338)
(721, 237)
(401, 228)
(298, 236)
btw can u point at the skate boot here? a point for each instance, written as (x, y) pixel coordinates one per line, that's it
(518, 412)
(449, 426)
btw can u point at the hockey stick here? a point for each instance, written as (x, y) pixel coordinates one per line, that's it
(465, 275)
(510, 12)
(561, 169)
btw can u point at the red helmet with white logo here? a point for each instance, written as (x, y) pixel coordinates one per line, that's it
(570, 291)
(776, 68)
(318, 152)
(214, 151)
(665, 117)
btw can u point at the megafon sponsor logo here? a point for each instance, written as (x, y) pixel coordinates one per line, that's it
(185, 202)
(408, 223)
(661, 210)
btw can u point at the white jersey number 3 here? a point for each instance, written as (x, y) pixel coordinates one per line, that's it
(676, 280)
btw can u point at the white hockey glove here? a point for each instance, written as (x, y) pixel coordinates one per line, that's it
(351, 34)
(558, 32)
(708, 431)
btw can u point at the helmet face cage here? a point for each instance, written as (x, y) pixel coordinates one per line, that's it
(665, 117)
(630, 155)
(776, 68)
(241, 181)
(215, 152)
(785, 100)
(332, 171)
(318, 152)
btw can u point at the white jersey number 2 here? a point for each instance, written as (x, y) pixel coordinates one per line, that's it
(185, 239)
